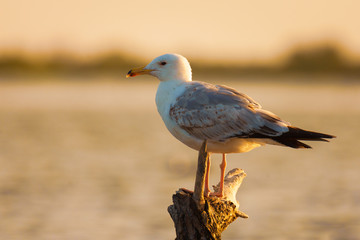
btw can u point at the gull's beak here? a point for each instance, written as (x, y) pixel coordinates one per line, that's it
(138, 71)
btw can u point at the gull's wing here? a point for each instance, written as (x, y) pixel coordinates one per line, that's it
(217, 112)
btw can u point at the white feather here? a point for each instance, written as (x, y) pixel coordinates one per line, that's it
(194, 111)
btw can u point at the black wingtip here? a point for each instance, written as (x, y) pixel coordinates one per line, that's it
(303, 145)
(326, 135)
(292, 137)
(301, 134)
(291, 142)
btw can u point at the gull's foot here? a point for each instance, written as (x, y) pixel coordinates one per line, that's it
(207, 193)
(217, 194)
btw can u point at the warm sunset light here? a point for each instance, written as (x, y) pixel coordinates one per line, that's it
(105, 104)
(240, 30)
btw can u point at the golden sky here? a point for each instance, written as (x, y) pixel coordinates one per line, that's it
(256, 29)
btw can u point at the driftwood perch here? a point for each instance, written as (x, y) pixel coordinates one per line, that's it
(198, 217)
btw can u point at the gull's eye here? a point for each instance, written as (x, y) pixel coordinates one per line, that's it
(163, 63)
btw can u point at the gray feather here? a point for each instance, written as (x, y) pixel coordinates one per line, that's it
(217, 112)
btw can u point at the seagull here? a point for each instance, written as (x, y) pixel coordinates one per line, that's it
(230, 121)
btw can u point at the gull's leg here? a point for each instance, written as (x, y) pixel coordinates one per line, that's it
(207, 173)
(220, 193)
(222, 167)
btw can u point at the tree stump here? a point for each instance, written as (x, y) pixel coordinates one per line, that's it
(198, 217)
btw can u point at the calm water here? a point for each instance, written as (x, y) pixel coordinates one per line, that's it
(93, 160)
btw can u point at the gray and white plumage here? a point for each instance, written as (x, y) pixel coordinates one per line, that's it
(219, 113)
(230, 121)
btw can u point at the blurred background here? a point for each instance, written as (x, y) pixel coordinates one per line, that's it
(84, 154)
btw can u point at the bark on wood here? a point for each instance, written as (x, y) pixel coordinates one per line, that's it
(203, 159)
(198, 217)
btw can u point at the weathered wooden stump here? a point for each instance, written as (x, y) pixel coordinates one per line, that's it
(199, 217)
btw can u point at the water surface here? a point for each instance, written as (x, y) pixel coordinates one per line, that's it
(93, 160)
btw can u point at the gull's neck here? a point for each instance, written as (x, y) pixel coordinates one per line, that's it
(180, 73)
(167, 93)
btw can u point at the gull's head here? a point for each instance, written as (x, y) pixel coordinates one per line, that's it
(166, 68)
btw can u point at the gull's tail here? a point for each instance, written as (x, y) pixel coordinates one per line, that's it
(292, 137)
